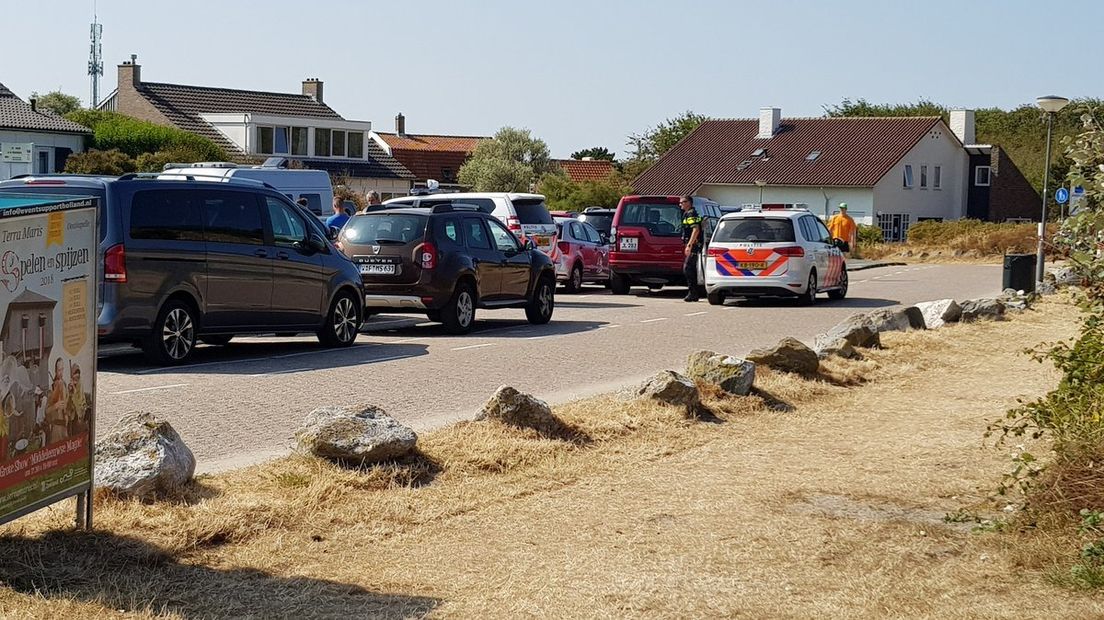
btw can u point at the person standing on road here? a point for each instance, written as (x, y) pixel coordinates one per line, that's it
(842, 226)
(339, 217)
(692, 238)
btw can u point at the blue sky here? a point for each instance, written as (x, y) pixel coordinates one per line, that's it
(576, 73)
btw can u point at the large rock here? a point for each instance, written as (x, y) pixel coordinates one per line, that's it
(1046, 287)
(363, 434)
(982, 309)
(856, 329)
(1014, 301)
(940, 312)
(790, 355)
(671, 388)
(143, 457)
(733, 375)
(1064, 276)
(509, 406)
(896, 319)
(839, 348)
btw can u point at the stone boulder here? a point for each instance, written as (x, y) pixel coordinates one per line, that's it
(982, 309)
(856, 329)
(363, 434)
(938, 313)
(671, 388)
(789, 355)
(511, 407)
(1014, 301)
(1064, 276)
(896, 319)
(839, 348)
(143, 457)
(1046, 287)
(733, 375)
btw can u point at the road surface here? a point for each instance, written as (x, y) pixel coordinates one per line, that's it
(240, 404)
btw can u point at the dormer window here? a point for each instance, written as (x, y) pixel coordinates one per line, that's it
(812, 156)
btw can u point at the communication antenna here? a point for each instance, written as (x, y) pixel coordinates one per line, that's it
(95, 59)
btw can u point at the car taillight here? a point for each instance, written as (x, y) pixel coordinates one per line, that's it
(513, 223)
(44, 182)
(115, 264)
(792, 250)
(565, 247)
(427, 255)
(712, 251)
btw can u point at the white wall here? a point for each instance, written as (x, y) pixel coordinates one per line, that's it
(938, 148)
(361, 185)
(73, 142)
(860, 200)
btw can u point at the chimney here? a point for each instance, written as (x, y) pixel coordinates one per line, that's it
(400, 124)
(962, 126)
(130, 74)
(34, 104)
(312, 87)
(769, 120)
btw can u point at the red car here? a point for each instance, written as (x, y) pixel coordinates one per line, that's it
(646, 247)
(582, 257)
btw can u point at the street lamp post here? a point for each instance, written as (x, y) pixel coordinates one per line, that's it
(1050, 104)
(761, 185)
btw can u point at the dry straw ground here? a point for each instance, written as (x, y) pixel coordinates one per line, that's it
(810, 499)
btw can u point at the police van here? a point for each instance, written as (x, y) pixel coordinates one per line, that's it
(312, 185)
(774, 252)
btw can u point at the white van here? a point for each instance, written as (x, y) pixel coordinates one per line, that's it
(314, 185)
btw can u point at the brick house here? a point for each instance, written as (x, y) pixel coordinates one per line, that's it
(254, 125)
(428, 156)
(34, 141)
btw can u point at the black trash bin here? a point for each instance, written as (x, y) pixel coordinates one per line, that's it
(1019, 272)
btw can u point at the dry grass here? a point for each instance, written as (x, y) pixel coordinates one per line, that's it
(808, 498)
(959, 241)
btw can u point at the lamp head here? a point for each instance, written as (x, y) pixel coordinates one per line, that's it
(1052, 103)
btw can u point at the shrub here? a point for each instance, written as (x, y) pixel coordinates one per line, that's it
(155, 162)
(134, 137)
(113, 162)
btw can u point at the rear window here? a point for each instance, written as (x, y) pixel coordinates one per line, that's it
(386, 228)
(755, 230)
(530, 211)
(603, 222)
(661, 220)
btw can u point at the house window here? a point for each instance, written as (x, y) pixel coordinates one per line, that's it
(322, 142)
(907, 180)
(337, 146)
(299, 141)
(356, 144)
(264, 140)
(981, 176)
(937, 177)
(923, 177)
(894, 226)
(281, 135)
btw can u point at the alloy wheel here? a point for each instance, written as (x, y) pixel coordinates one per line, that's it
(178, 334)
(544, 300)
(465, 308)
(344, 320)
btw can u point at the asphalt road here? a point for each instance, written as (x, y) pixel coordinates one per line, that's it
(240, 404)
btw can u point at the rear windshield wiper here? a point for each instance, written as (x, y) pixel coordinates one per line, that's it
(390, 242)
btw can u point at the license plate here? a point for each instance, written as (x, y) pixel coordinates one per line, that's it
(629, 244)
(754, 265)
(377, 270)
(542, 241)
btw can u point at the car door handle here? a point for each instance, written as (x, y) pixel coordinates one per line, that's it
(261, 252)
(282, 255)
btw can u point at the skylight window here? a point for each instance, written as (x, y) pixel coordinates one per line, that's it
(758, 152)
(743, 164)
(812, 156)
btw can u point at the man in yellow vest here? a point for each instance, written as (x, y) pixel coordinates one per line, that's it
(843, 227)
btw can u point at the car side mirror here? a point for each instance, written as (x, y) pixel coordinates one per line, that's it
(316, 243)
(842, 245)
(528, 244)
(332, 232)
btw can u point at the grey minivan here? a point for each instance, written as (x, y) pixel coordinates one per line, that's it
(187, 260)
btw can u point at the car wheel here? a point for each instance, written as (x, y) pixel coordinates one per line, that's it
(840, 292)
(716, 298)
(342, 322)
(434, 315)
(458, 315)
(174, 334)
(808, 298)
(619, 285)
(575, 281)
(217, 341)
(539, 310)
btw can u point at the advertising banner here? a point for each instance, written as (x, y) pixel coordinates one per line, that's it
(48, 250)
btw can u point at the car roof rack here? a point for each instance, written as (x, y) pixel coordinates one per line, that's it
(450, 207)
(200, 178)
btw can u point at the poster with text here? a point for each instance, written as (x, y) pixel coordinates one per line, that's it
(47, 350)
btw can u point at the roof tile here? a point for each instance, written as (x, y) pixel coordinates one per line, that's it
(17, 114)
(579, 170)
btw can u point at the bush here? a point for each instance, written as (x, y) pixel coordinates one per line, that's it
(155, 162)
(563, 194)
(870, 234)
(113, 162)
(134, 137)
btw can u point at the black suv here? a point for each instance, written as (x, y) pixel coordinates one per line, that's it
(187, 260)
(601, 219)
(446, 262)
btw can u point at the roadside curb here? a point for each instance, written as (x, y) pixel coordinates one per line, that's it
(875, 265)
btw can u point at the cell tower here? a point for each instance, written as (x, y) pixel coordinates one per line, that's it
(95, 60)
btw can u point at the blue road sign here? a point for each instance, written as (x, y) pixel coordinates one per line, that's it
(1061, 196)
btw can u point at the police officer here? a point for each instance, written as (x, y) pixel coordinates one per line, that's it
(692, 238)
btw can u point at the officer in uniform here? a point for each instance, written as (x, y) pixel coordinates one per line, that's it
(692, 239)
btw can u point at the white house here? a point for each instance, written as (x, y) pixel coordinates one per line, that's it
(34, 141)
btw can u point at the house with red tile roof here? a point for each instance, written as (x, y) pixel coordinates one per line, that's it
(579, 170)
(253, 125)
(891, 172)
(428, 156)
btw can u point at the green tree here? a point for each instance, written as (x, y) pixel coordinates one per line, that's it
(511, 161)
(113, 162)
(155, 162)
(594, 152)
(563, 194)
(57, 102)
(649, 146)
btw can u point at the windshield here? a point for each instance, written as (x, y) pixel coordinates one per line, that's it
(531, 211)
(602, 222)
(385, 228)
(661, 220)
(755, 230)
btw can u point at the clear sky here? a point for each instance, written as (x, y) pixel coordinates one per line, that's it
(576, 73)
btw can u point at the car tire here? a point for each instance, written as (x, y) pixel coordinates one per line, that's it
(619, 285)
(716, 298)
(434, 315)
(841, 292)
(458, 315)
(808, 298)
(217, 341)
(342, 322)
(173, 337)
(540, 307)
(575, 280)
